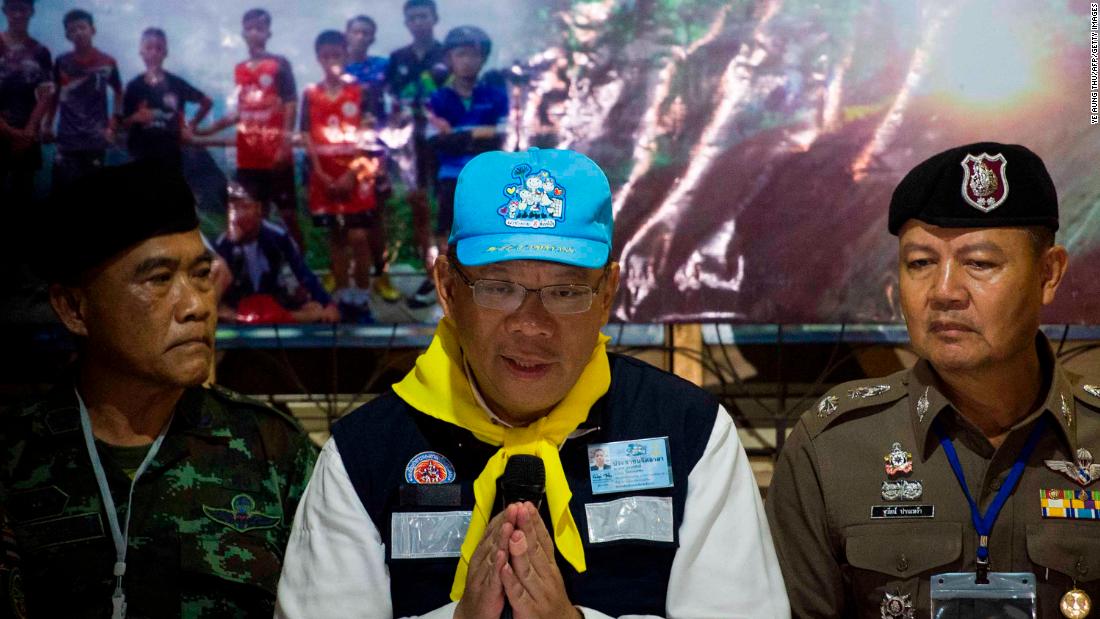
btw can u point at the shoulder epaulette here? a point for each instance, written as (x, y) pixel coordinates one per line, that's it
(852, 396)
(232, 397)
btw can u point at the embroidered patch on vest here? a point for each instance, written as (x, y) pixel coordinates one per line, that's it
(429, 467)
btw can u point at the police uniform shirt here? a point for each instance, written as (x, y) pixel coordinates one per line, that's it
(336, 561)
(865, 508)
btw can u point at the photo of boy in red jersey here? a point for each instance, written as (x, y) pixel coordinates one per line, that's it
(342, 176)
(266, 111)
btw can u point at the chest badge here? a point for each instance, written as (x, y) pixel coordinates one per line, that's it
(902, 490)
(242, 515)
(898, 461)
(429, 468)
(1083, 471)
(896, 606)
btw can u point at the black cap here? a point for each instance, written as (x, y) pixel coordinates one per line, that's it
(106, 212)
(983, 185)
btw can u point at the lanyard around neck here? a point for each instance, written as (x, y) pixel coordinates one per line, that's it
(121, 535)
(983, 523)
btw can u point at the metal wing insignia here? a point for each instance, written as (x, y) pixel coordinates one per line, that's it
(1069, 469)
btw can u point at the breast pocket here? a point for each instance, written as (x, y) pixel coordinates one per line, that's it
(898, 559)
(236, 538)
(1065, 554)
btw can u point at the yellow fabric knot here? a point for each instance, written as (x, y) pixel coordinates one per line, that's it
(437, 386)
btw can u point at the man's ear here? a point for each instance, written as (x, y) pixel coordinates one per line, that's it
(444, 279)
(1055, 264)
(68, 304)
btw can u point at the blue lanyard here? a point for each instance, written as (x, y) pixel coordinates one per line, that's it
(121, 535)
(983, 524)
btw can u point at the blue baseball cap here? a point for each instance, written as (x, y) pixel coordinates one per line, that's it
(552, 205)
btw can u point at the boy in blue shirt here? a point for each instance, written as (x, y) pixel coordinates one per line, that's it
(466, 117)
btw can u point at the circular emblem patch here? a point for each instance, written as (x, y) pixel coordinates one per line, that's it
(429, 467)
(266, 80)
(350, 109)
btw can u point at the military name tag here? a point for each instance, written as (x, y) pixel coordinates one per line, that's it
(625, 466)
(883, 512)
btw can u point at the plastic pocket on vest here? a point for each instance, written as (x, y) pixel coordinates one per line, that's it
(428, 535)
(634, 517)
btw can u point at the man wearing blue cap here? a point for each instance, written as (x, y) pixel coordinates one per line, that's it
(404, 516)
(896, 497)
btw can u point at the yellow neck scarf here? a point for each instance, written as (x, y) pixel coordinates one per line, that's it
(438, 387)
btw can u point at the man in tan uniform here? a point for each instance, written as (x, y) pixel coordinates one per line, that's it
(865, 506)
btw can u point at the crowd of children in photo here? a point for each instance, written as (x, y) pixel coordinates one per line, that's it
(433, 90)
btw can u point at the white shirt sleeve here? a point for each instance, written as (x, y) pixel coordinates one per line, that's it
(335, 563)
(726, 564)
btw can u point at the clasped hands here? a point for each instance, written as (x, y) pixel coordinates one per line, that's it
(515, 562)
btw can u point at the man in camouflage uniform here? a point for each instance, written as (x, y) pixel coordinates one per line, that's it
(204, 482)
(866, 506)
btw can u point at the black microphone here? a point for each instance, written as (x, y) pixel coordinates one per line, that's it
(523, 479)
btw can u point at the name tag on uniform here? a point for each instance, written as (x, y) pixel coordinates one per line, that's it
(884, 512)
(427, 535)
(625, 466)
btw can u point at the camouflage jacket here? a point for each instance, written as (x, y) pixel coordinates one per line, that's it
(211, 514)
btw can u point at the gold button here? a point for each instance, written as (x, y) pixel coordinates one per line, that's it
(903, 563)
(1082, 566)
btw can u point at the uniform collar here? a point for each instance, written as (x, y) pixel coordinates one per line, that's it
(927, 401)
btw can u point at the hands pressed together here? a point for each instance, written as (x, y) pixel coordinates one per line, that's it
(515, 562)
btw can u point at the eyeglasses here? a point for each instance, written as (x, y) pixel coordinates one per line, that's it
(507, 296)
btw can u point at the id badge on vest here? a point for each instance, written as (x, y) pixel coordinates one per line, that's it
(625, 466)
(1007, 594)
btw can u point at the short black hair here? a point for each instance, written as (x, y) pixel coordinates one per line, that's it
(29, 2)
(413, 4)
(77, 15)
(154, 32)
(362, 18)
(330, 37)
(252, 14)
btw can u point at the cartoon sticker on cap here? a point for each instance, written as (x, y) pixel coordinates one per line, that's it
(536, 200)
(428, 468)
(985, 185)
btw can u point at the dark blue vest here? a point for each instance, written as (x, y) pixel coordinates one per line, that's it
(626, 577)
